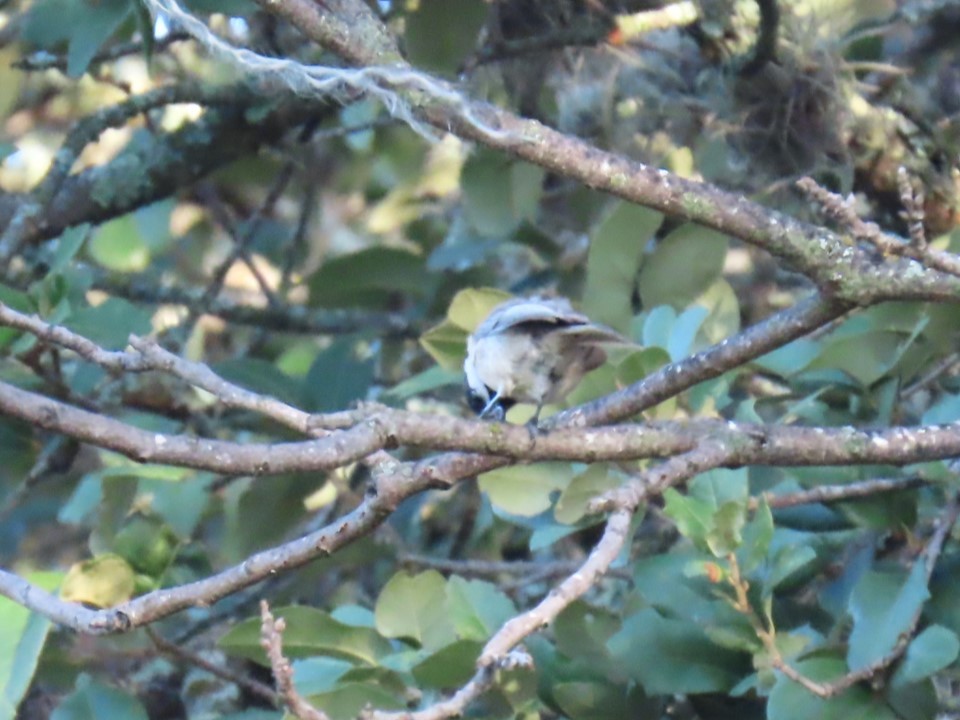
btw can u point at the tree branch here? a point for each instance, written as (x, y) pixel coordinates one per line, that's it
(840, 271)
(162, 164)
(673, 378)
(386, 428)
(28, 219)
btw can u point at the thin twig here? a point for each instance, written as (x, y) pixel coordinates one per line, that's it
(840, 493)
(183, 653)
(945, 523)
(271, 639)
(456, 704)
(916, 249)
(46, 61)
(241, 240)
(517, 628)
(911, 198)
(495, 568)
(941, 367)
(288, 318)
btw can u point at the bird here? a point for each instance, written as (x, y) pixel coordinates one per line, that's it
(531, 350)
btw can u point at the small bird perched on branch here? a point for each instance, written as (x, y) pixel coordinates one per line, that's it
(533, 350)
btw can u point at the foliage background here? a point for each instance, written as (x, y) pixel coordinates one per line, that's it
(322, 251)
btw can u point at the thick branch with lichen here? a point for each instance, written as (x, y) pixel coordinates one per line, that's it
(840, 270)
(369, 430)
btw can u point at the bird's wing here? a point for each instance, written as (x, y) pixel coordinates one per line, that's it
(520, 311)
(594, 333)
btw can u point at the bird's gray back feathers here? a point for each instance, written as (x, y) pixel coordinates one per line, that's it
(554, 315)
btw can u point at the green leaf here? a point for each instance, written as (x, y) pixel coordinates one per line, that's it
(526, 490)
(790, 359)
(740, 637)
(337, 378)
(684, 332)
(787, 561)
(757, 536)
(499, 193)
(118, 245)
(347, 700)
(400, 207)
(790, 701)
(100, 20)
(638, 365)
(685, 262)
(153, 224)
(103, 581)
(369, 278)
(471, 306)
(477, 608)
(111, 323)
(917, 701)
(414, 607)
(728, 521)
(18, 450)
(180, 502)
(424, 382)
(723, 319)
(720, 485)
(85, 24)
(583, 631)
(591, 483)
(598, 383)
(945, 410)
(450, 666)
(145, 26)
(94, 701)
(69, 242)
(592, 700)
(309, 632)
(661, 581)
(657, 326)
(84, 500)
(463, 249)
(147, 543)
(693, 516)
(883, 606)
(928, 653)
(441, 33)
(23, 635)
(613, 262)
(547, 533)
(16, 299)
(447, 344)
(673, 656)
(319, 674)
(866, 357)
